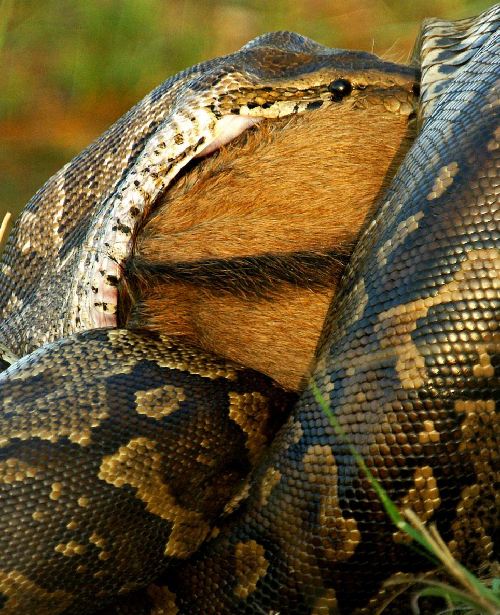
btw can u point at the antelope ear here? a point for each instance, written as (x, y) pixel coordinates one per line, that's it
(227, 129)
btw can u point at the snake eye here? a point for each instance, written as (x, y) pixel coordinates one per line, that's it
(339, 89)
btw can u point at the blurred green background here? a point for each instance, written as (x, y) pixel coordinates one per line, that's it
(69, 68)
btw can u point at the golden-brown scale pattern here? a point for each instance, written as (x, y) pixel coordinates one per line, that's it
(407, 365)
(105, 488)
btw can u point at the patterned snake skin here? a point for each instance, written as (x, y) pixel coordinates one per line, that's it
(122, 452)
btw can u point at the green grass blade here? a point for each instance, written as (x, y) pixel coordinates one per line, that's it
(391, 509)
(479, 596)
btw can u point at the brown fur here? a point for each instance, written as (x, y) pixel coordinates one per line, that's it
(245, 251)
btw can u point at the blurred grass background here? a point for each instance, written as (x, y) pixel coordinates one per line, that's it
(69, 68)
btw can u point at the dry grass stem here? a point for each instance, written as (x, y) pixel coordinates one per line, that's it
(452, 566)
(5, 224)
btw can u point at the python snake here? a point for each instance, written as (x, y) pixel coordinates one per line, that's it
(120, 450)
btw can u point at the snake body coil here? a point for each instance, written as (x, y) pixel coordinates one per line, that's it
(106, 431)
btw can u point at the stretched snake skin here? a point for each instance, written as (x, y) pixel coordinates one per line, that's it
(125, 456)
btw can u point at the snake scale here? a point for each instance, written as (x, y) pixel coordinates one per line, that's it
(124, 455)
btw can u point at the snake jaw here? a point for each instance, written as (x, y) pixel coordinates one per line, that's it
(179, 140)
(196, 127)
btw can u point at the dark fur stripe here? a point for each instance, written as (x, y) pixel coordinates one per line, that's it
(258, 275)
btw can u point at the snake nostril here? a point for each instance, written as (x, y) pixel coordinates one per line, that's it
(339, 89)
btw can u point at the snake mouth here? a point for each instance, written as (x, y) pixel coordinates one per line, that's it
(193, 130)
(217, 133)
(266, 224)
